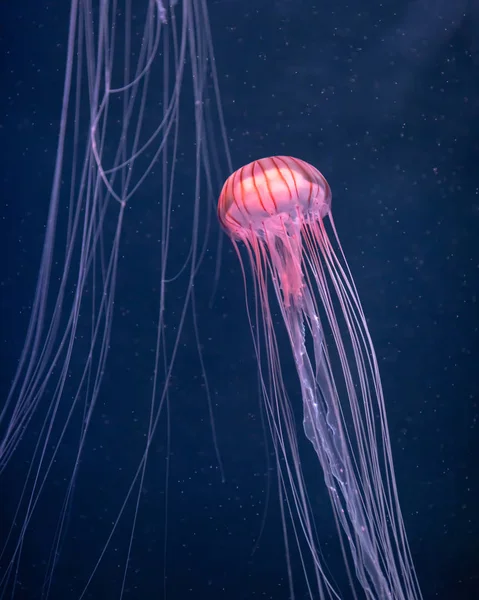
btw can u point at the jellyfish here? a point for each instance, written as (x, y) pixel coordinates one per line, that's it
(279, 210)
(140, 134)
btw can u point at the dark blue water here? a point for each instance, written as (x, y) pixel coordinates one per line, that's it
(384, 99)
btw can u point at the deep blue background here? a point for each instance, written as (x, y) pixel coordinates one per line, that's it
(384, 99)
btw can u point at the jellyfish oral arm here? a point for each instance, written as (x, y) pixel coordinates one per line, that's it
(323, 428)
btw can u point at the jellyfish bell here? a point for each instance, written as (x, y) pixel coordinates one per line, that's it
(273, 198)
(270, 187)
(278, 207)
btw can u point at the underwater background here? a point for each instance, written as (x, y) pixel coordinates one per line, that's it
(383, 98)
